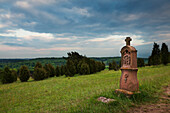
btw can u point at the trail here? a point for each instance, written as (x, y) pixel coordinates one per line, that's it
(162, 106)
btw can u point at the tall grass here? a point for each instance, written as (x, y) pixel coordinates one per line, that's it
(80, 93)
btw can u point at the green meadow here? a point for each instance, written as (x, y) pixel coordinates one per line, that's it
(79, 94)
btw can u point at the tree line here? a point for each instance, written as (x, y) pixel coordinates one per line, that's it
(157, 57)
(76, 64)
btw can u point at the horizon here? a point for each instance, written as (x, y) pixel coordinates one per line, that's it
(35, 28)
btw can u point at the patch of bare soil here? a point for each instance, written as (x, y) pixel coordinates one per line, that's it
(163, 106)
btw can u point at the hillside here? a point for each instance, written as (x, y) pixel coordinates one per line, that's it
(80, 93)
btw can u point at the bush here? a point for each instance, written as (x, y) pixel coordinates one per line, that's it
(1, 74)
(38, 65)
(47, 69)
(84, 69)
(7, 76)
(14, 74)
(57, 71)
(71, 69)
(52, 70)
(140, 62)
(24, 73)
(103, 65)
(62, 70)
(92, 66)
(39, 74)
(113, 66)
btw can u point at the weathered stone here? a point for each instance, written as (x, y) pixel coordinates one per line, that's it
(105, 100)
(128, 80)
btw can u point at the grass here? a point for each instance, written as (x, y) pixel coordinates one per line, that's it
(80, 93)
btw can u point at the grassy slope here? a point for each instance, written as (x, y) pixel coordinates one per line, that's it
(78, 94)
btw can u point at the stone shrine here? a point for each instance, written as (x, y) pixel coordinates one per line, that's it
(128, 80)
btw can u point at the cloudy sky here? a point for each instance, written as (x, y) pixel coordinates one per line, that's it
(51, 28)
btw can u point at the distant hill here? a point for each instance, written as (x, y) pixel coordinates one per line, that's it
(17, 63)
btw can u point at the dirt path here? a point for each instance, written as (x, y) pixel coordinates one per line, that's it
(163, 106)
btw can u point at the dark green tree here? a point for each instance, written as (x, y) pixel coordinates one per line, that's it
(113, 66)
(103, 65)
(47, 69)
(39, 74)
(14, 74)
(1, 74)
(140, 62)
(71, 69)
(7, 76)
(92, 65)
(50, 70)
(84, 69)
(57, 70)
(155, 58)
(24, 73)
(164, 54)
(62, 70)
(38, 65)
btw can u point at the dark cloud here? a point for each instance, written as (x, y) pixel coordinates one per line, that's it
(81, 21)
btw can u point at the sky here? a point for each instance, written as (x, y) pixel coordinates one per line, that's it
(95, 28)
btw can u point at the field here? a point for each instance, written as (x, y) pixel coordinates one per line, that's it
(80, 93)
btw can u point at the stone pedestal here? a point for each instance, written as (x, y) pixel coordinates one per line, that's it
(128, 80)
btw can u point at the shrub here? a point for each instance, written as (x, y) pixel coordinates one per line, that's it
(14, 74)
(47, 69)
(79, 66)
(38, 65)
(103, 65)
(84, 69)
(113, 66)
(57, 71)
(24, 73)
(1, 74)
(7, 76)
(52, 70)
(62, 70)
(39, 74)
(71, 69)
(140, 62)
(92, 66)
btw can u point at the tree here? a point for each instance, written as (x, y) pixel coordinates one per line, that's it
(154, 59)
(50, 70)
(14, 74)
(164, 54)
(47, 69)
(62, 70)
(39, 74)
(24, 73)
(57, 70)
(103, 65)
(140, 62)
(38, 65)
(113, 66)
(1, 74)
(71, 69)
(84, 69)
(7, 76)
